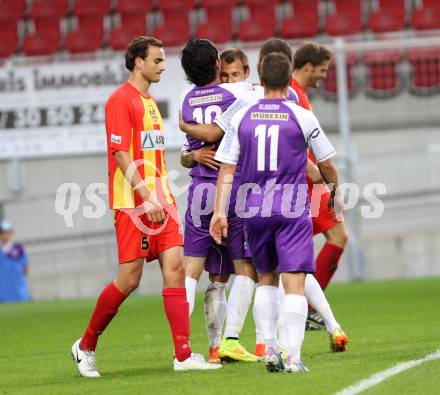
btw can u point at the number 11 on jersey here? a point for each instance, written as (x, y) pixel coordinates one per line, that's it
(261, 133)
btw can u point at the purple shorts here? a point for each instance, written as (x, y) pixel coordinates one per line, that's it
(285, 244)
(201, 199)
(219, 261)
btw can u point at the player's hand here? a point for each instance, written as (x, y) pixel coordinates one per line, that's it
(336, 203)
(182, 123)
(154, 211)
(205, 156)
(218, 228)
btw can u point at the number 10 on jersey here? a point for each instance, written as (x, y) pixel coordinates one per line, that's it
(261, 133)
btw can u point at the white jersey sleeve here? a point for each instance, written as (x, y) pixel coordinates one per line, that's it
(243, 100)
(314, 136)
(237, 88)
(229, 149)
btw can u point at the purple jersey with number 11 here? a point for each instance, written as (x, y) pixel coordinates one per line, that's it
(272, 137)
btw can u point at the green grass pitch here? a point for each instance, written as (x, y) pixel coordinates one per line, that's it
(387, 322)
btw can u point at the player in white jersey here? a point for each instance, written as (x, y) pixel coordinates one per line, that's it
(313, 292)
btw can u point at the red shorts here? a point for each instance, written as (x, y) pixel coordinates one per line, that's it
(145, 239)
(323, 218)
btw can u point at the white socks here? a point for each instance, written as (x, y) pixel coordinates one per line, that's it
(239, 300)
(315, 296)
(190, 285)
(294, 314)
(266, 310)
(215, 312)
(259, 337)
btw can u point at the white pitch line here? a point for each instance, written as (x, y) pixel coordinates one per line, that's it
(385, 374)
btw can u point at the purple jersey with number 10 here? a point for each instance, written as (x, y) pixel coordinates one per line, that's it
(271, 137)
(202, 105)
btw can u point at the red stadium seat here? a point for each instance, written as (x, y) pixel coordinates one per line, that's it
(48, 9)
(425, 70)
(383, 79)
(46, 16)
(216, 31)
(172, 6)
(84, 40)
(9, 40)
(351, 6)
(134, 7)
(172, 37)
(389, 17)
(11, 12)
(12, 9)
(218, 4)
(218, 10)
(346, 20)
(218, 26)
(256, 29)
(260, 9)
(330, 86)
(91, 14)
(260, 25)
(135, 23)
(9, 25)
(134, 15)
(121, 36)
(304, 22)
(89, 8)
(176, 12)
(431, 4)
(426, 19)
(343, 24)
(176, 20)
(174, 31)
(41, 43)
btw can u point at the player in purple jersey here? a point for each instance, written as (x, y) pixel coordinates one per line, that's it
(271, 137)
(234, 67)
(313, 292)
(202, 103)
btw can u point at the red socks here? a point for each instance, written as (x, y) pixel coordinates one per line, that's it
(106, 308)
(327, 263)
(177, 311)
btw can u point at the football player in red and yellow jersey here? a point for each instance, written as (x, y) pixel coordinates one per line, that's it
(311, 61)
(146, 220)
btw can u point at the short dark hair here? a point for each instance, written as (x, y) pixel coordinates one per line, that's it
(311, 52)
(276, 70)
(230, 55)
(138, 48)
(198, 59)
(276, 45)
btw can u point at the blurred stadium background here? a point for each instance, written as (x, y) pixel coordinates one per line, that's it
(60, 59)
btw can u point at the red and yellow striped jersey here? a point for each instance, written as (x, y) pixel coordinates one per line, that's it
(134, 124)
